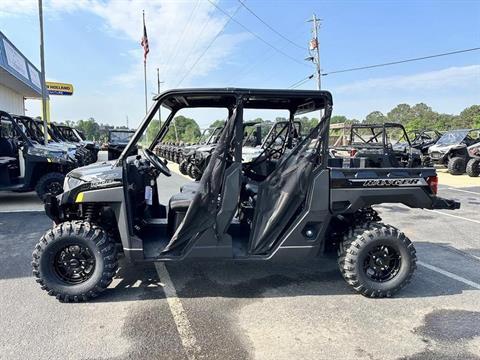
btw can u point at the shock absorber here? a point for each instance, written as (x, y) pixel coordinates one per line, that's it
(89, 212)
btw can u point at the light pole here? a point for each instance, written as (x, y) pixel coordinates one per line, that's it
(42, 75)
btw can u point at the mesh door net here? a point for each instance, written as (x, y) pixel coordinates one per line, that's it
(282, 193)
(201, 213)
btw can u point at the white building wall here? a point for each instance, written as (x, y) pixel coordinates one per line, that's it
(11, 101)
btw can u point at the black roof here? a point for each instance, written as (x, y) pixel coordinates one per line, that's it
(300, 101)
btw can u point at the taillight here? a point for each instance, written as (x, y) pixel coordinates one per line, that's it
(432, 181)
(353, 152)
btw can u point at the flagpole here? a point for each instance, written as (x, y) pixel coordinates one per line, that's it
(145, 69)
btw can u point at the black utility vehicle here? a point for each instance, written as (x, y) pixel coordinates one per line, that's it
(422, 141)
(302, 208)
(380, 146)
(455, 149)
(26, 165)
(117, 141)
(75, 136)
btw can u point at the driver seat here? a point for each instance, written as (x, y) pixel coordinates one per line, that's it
(177, 208)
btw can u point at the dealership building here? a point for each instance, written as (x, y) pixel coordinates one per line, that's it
(19, 78)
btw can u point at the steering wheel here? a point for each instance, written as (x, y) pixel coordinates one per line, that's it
(157, 162)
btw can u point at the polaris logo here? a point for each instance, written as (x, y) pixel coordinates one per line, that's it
(391, 182)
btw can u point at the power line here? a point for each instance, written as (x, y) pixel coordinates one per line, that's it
(257, 36)
(301, 82)
(230, 17)
(399, 62)
(270, 27)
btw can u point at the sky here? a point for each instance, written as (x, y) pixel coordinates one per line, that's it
(95, 45)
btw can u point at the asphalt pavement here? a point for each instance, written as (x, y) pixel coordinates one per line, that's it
(231, 310)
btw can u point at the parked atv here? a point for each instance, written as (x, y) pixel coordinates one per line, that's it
(117, 141)
(423, 141)
(76, 136)
(378, 146)
(455, 149)
(301, 209)
(26, 165)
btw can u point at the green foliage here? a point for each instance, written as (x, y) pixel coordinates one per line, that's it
(186, 129)
(90, 128)
(217, 123)
(375, 117)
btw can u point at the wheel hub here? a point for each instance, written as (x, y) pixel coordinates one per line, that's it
(382, 263)
(74, 264)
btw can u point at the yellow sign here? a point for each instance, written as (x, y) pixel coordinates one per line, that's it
(55, 88)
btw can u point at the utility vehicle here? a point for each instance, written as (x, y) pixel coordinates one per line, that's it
(34, 130)
(117, 141)
(76, 136)
(422, 141)
(380, 146)
(302, 208)
(26, 165)
(455, 149)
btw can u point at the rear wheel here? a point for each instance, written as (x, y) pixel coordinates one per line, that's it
(456, 166)
(473, 167)
(51, 183)
(377, 260)
(74, 261)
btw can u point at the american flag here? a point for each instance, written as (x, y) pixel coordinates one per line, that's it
(144, 42)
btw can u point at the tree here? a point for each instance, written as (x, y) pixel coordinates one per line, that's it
(90, 128)
(338, 119)
(375, 117)
(470, 117)
(400, 114)
(185, 128)
(217, 123)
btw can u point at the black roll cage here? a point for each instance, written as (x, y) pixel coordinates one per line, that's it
(382, 131)
(295, 101)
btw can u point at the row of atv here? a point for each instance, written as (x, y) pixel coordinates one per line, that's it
(388, 145)
(27, 163)
(194, 158)
(369, 146)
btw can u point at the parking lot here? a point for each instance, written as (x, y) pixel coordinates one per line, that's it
(194, 310)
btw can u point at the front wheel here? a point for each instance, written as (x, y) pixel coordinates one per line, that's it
(377, 260)
(456, 165)
(51, 183)
(74, 261)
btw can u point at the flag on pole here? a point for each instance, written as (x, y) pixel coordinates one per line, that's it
(144, 42)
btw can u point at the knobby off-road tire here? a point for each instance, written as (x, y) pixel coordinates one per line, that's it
(456, 166)
(473, 167)
(51, 183)
(74, 261)
(190, 170)
(356, 255)
(183, 167)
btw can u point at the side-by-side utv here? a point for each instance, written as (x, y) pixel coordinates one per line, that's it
(75, 136)
(117, 141)
(26, 165)
(302, 208)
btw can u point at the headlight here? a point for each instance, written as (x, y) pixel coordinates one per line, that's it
(71, 182)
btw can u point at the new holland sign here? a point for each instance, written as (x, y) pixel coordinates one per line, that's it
(55, 88)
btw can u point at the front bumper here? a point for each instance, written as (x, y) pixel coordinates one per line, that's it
(445, 204)
(52, 208)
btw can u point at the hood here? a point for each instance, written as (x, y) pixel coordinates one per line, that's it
(444, 148)
(98, 172)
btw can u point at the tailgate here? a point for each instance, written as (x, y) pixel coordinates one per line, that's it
(352, 189)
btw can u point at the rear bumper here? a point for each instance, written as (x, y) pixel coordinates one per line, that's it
(445, 204)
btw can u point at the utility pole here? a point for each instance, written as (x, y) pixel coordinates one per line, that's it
(127, 123)
(158, 91)
(42, 65)
(314, 47)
